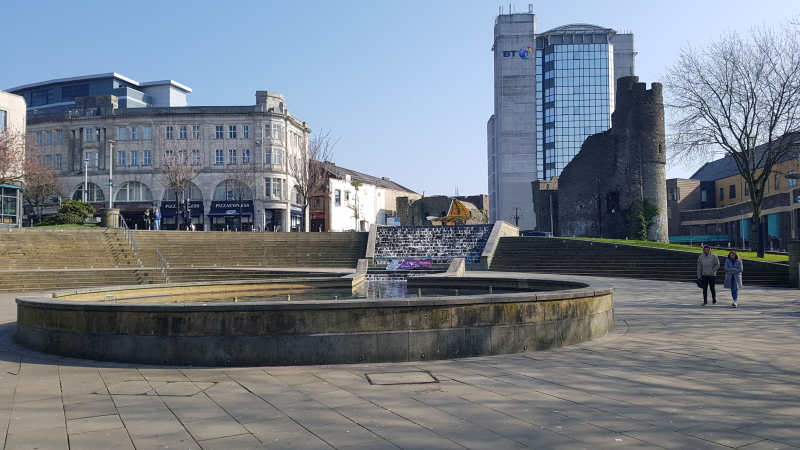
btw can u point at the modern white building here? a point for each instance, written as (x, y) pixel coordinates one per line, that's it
(551, 91)
(12, 120)
(342, 207)
(85, 131)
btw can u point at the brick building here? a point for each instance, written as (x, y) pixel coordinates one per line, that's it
(715, 201)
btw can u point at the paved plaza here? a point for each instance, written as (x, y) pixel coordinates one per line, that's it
(672, 375)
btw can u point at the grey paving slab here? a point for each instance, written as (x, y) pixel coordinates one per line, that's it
(537, 437)
(277, 430)
(768, 445)
(414, 437)
(243, 442)
(178, 440)
(344, 434)
(213, 428)
(36, 415)
(646, 385)
(101, 440)
(42, 439)
(371, 416)
(98, 423)
(784, 433)
(100, 406)
(722, 436)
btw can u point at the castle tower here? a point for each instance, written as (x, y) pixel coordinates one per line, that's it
(618, 170)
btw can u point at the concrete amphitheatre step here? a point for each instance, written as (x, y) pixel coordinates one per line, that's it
(569, 256)
(57, 249)
(41, 259)
(209, 249)
(40, 280)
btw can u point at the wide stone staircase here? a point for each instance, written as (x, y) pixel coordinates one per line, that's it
(229, 250)
(68, 249)
(578, 257)
(49, 259)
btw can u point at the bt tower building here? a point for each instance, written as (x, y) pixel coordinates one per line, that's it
(551, 91)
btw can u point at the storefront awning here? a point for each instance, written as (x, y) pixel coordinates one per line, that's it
(297, 211)
(229, 213)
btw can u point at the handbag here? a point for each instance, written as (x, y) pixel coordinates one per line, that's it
(699, 283)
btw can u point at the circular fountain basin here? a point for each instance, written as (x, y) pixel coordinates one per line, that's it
(249, 323)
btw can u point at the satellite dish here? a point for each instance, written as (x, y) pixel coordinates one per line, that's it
(431, 217)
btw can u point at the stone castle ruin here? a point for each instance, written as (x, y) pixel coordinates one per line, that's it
(618, 170)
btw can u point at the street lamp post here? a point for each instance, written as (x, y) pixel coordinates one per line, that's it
(85, 178)
(516, 217)
(599, 212)
(111, 174)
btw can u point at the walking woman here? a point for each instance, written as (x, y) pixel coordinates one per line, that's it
(733, 275)
(707, 266)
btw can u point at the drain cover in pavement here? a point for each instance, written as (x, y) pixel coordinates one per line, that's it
(387, 378)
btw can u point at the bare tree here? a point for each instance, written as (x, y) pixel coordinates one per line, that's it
(41, 180)
(307, 167)
(12, 156)
(242, 174)
(739, 97)
(178, 156)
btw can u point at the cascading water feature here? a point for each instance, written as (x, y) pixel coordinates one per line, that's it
(440, 243)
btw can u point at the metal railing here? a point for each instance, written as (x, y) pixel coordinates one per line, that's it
(131, 241)
(162, 265)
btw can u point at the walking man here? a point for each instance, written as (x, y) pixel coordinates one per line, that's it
(707, 266)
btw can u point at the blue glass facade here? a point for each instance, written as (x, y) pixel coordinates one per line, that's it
(575, 99)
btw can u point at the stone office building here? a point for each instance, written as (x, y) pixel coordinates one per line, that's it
(552, 90)
(87, 126)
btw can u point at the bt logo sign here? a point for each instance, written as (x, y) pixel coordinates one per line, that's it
(524, 53)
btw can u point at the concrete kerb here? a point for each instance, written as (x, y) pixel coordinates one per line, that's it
(499, 230)
(360, 274)
(457, 268)
(372, 240)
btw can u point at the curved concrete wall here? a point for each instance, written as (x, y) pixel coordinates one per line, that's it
(319, 332)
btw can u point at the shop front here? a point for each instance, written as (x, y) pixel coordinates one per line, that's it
(10, 206)
(230, 215)
(133, 214)
(318, 222)
(274, 214)
(297, 218)
(172, 216)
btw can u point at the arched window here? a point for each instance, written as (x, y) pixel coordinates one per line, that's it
(134, 191)
(93, 193)
(229, 190)
(193, 193)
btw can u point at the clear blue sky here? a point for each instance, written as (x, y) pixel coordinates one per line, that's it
(407, 86)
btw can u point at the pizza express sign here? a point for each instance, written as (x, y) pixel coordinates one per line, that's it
(173, 206)
(246, 204)
(524, 53)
